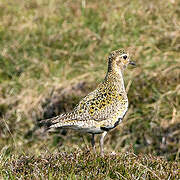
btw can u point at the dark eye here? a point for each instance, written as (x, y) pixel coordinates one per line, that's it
(125, 57)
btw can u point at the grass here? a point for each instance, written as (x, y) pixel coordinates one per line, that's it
(52, 53)
(84, 165)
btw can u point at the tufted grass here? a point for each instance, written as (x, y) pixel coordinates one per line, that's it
(84, 165)
(53, 52)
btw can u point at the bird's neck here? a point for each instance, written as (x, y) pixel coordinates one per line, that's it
(115, 76)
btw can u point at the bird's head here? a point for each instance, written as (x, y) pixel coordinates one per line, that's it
(119, 59)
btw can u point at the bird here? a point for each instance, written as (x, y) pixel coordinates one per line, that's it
(102, 109)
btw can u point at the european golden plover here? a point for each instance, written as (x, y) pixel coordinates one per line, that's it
(104, 108)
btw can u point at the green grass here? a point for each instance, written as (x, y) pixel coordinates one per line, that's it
(53, 52)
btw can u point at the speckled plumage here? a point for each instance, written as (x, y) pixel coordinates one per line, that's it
(102, 109)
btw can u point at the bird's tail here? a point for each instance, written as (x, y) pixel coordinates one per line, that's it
(63, 120)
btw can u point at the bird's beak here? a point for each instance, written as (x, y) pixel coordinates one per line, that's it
(132, 63)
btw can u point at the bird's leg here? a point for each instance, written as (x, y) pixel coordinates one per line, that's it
(102, 143)
(93, 144)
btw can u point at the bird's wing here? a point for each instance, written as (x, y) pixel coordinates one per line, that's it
(101, 104)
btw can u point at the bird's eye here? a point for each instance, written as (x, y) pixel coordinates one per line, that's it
(125, 57)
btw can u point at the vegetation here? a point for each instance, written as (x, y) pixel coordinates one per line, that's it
(53, 52)
(84, 165)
